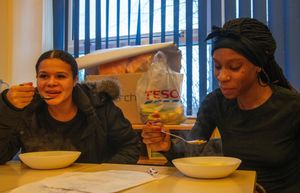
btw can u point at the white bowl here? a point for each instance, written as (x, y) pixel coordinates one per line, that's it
(207, 166)
(49, 159)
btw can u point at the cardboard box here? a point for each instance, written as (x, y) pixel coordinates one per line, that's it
(127, 100)
(105, 56)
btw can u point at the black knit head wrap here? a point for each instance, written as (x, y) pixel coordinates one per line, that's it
(253, 40)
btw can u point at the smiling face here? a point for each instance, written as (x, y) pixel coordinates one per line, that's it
(236, 75)
(55, 80)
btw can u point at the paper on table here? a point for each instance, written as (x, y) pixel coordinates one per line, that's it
(89, 182)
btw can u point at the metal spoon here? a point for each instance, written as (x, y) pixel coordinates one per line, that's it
(37, 92)
(197, 141)
(43, 97)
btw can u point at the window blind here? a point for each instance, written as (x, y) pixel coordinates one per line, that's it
(191, 22)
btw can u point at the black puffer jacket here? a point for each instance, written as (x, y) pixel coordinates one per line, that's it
(107, 135)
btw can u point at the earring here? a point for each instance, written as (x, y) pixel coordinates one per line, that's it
(259, 70)
(263, 77)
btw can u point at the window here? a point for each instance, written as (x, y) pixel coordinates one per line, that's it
(100, 24)
(141, 22)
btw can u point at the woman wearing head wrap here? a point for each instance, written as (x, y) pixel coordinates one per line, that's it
(61, 114)
(255, 108)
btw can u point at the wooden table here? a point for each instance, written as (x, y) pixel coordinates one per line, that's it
(181, 127)
(148, 159)
(184, 127)
(14, 174)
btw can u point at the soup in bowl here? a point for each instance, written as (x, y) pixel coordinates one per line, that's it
(207, 166)
(49, 159)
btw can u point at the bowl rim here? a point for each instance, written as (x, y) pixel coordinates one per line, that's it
(35, 160)
(44, 153)
(236, 161)
(207, 171)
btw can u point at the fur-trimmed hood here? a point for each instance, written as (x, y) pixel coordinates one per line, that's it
(108, 85)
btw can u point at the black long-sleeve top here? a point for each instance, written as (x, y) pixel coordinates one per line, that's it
(266, 138)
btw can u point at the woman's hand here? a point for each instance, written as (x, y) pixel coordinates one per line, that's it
(20, 95)
(154, 138)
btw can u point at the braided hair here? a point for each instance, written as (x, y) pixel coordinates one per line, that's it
(252, 39)
(59, 54)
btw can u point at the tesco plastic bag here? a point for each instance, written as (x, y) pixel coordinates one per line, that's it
(158, 92)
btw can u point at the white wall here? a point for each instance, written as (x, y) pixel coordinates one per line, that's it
(5, 26)
(21, 37)
(27, 38)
